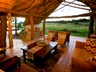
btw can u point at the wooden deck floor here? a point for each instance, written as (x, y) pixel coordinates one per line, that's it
(63, 64)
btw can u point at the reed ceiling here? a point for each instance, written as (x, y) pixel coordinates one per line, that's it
(39, 9)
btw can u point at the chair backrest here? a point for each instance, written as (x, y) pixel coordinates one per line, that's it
(51, 35)
(68, 36)
(62, 37)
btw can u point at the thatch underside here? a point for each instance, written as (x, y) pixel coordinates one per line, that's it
(39, 9)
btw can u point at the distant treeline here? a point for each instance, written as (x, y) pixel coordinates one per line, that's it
(69, 21)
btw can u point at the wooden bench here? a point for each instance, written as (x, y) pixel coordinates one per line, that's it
(11, 64)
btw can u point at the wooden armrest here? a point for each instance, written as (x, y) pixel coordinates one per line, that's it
(79, 44)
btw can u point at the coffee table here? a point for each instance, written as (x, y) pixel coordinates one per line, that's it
(42, 53)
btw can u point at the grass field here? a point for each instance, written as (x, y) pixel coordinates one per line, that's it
(75, 29)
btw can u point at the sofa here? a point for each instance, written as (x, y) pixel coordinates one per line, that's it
(82, 59)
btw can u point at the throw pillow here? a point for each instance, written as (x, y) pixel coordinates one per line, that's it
(90, 45)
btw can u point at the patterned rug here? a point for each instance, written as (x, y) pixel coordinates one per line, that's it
(49, 62)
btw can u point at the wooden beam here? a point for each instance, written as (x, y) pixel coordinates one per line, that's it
(64, 6)
(5, 3)
(20, 14)
(15, 26)
(29, 7)
(52, 4)
(75, 4)
(80, 15)
(77, 7)
(10, 30)
(32, 27)
(5, 10)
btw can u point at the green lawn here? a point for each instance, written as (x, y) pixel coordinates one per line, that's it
(75, 29)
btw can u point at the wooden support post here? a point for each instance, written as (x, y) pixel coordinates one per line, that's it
(44, 22)
(10, 30)
(32, 27)
(44, 28)
(3, 28)
(15, 26)
(95, 24)
(91, 24)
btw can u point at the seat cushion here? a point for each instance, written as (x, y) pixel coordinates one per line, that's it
(81, 65)
(81, 53)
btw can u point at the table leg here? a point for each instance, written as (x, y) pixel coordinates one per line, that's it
(56, 49)
(24, 56)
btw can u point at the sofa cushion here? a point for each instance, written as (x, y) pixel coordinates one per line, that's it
(90, 45)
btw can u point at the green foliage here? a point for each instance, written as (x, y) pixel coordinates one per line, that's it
(75, 29)
(20, 25)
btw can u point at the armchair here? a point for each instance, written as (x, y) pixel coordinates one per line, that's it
(51, 35)
(61, 38)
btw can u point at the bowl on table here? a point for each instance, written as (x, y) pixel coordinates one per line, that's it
(41, 43)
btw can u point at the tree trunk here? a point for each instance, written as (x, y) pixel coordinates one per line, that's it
(3, 28)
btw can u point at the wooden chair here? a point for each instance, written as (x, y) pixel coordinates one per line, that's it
(61, 38)
(51, 35)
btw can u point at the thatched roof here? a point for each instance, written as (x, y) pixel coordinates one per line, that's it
(39, 9)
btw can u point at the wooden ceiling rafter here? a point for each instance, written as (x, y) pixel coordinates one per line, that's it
(29, 7)
(76, 4)
(17, 14)
(5, 4)
(46, 8)
(20, 6)
(4, 9)
(77, 7)
(80, 15)
(64, 6)
(24, 14)
(89, 3)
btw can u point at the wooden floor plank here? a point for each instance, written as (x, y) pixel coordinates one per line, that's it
(65, 60)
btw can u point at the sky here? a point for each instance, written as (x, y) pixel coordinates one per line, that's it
(66, 11)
